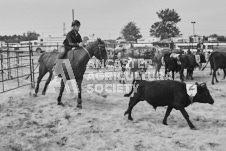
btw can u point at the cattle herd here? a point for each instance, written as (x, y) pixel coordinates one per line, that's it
(174, 94)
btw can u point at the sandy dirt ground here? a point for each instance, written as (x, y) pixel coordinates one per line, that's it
(28, 123)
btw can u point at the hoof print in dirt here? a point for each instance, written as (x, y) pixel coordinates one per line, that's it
(62, 141)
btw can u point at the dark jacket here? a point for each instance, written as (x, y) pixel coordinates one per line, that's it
(73, 38)
(171, 45)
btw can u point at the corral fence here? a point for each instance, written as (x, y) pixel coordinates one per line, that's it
(16, 65)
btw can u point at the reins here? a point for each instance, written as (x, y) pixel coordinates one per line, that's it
(87, 52)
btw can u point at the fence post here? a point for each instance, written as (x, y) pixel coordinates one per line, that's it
(30, 64)
(2, 71)
(18, 64)
(8, 62)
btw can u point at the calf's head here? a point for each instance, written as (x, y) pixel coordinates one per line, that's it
(203, 94)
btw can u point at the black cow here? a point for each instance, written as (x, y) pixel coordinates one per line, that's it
(217, 61)
(187, 62)
(171, 64)
(167, 93)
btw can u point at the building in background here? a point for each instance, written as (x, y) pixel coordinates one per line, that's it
(148, 40)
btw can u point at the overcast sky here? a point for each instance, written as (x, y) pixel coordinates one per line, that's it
(105, 18)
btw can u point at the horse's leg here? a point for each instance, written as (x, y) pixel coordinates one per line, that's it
(159, 67)
(210, 71)
(47, 83)
(218, 72)
(216, 75)
(79, 100)
(61, 92)
(191, 72)
(122, 76)
(155, 67)
(188, 73)
(182, 74)
(173, 74)
(165, 71)
(42, 72)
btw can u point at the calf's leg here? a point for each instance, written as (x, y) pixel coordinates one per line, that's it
(132, 103)
(224, 74)
(186, 116)
(169, 109)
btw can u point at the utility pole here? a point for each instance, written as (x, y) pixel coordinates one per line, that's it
(73, 15)
(193, 27)
(64, 30)
(193, 22)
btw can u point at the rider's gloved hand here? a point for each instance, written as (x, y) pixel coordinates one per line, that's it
(81, 44)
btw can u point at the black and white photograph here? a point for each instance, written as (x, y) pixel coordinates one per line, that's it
(112, 75)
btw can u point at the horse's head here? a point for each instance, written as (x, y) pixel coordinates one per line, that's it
(100, 51)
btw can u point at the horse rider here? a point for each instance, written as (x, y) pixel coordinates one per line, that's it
(171, 46)
(73, 40)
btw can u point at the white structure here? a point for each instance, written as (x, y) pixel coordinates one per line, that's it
(212, 39)
(121, 40)
(148, 40)
(180, 39)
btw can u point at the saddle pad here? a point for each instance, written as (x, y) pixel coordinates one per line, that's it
(191, 89)
(197, 59)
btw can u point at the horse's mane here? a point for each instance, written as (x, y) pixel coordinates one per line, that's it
(91, 44)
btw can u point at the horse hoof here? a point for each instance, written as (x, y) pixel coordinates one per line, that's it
(43, 93)
(130, 118)
(79, 106)
(194, 128)
(35, 95)
(60, 103)
(126, 95)
(164, 123)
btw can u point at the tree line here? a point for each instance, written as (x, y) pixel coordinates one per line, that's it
(30, 35)
(165, 28)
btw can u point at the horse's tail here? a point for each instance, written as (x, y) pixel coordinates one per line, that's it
(39, 59)
(211, 55)
(127, 95)
(33, 71)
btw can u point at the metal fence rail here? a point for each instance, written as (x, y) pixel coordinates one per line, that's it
(13, 68)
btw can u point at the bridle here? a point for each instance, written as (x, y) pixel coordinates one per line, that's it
(99, 50)
(100, 46)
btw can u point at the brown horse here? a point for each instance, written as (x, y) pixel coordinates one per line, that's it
(76, 60)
